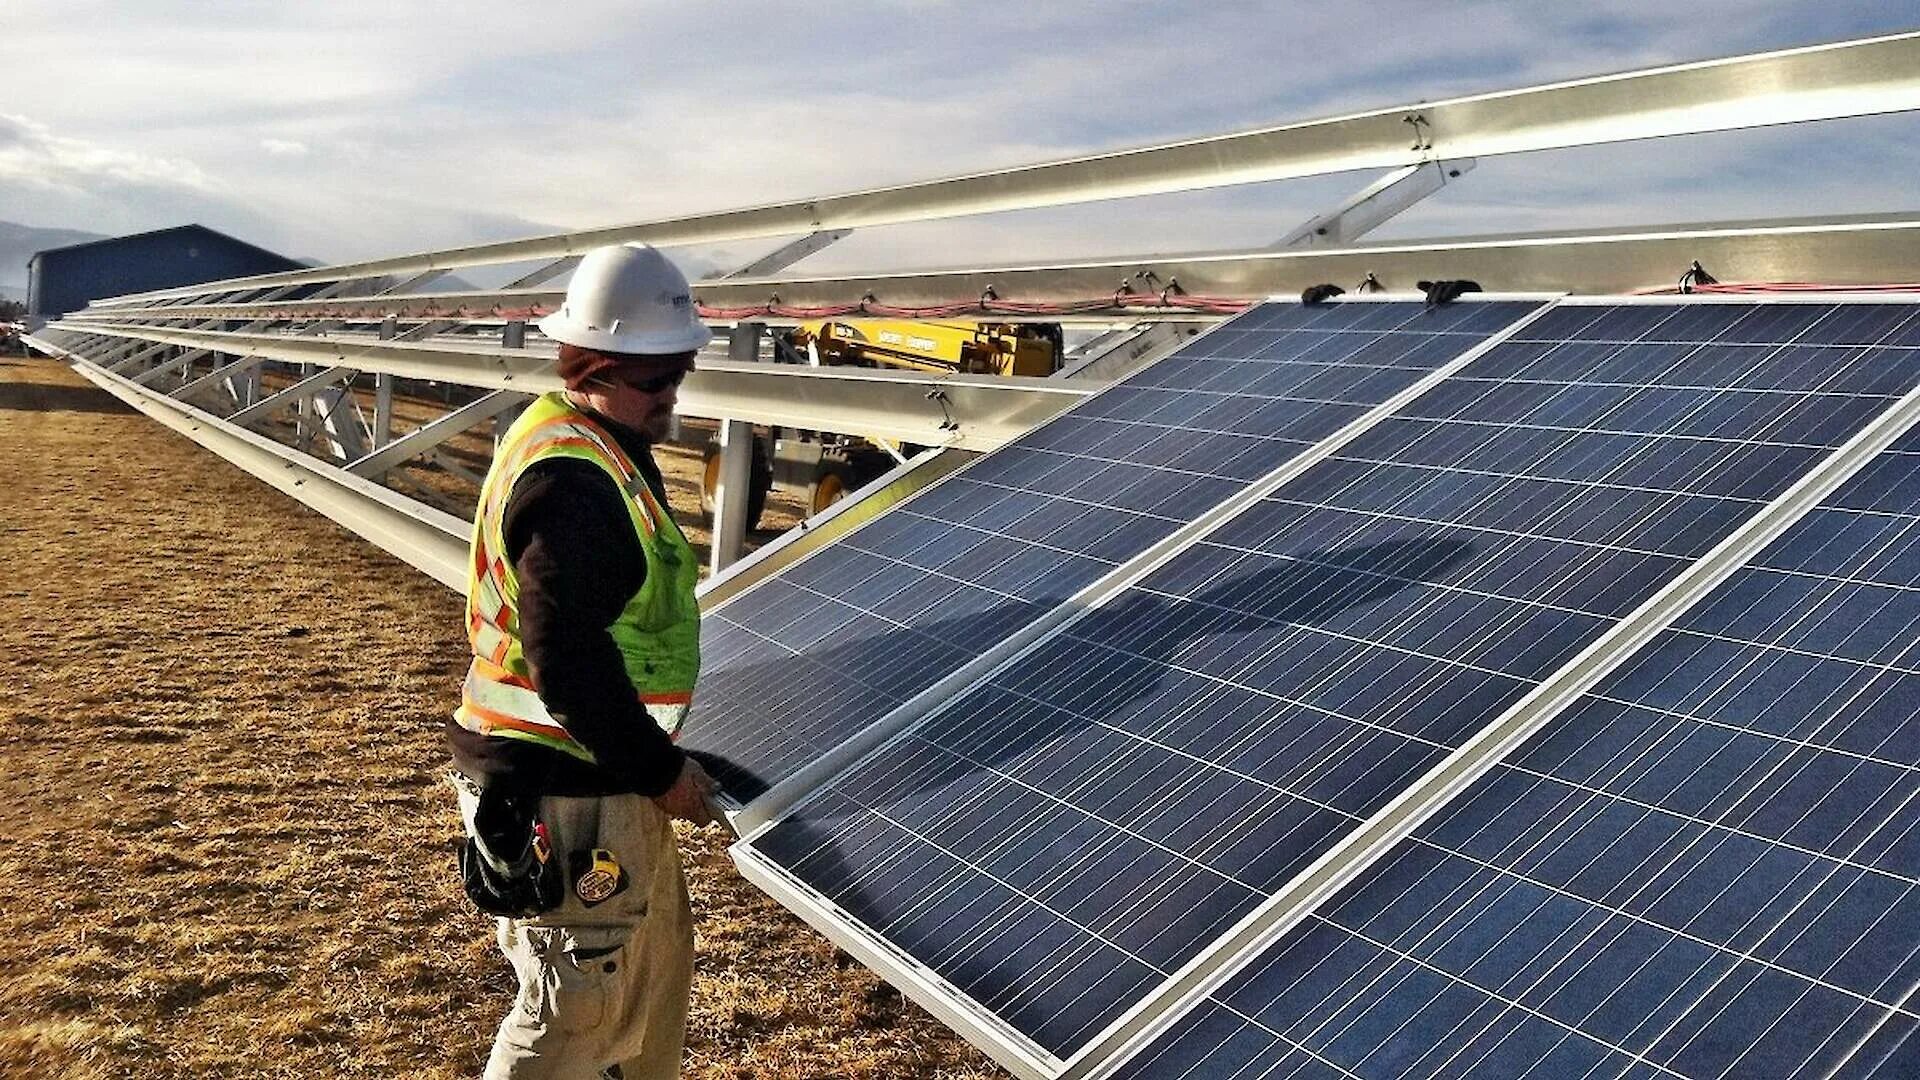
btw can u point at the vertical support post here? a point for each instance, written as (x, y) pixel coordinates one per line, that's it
(382, 410)
(244, 387)
(736, 457)
(512, 336)
(383, 395)
(302, 409)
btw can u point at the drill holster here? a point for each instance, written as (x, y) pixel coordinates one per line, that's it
(506, 865)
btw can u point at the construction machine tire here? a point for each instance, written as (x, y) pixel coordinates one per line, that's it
(830, 485)
(759, 482)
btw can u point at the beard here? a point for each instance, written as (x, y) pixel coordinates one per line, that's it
(658, 425)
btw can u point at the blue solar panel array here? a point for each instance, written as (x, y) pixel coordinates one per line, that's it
(806, 659)
(1709, 866)
(1060, 840)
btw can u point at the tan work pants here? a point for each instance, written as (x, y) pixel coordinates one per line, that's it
(608, 984)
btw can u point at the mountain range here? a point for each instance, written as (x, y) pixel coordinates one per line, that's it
(17, 245)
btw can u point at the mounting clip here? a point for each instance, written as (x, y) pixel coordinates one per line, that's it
(1696, 275)
(1422, 132)
(947, 422)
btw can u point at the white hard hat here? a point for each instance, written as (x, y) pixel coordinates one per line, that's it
(627, 298)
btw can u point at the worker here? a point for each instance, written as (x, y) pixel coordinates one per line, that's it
(585, 636)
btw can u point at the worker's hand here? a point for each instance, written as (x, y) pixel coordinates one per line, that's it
(689, 796)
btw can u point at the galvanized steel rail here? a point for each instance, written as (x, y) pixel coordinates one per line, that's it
(1819, 82)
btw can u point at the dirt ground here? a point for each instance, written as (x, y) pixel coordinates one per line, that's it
(228, 851)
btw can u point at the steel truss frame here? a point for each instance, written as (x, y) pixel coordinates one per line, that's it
(1422, 147)
(1818, 82)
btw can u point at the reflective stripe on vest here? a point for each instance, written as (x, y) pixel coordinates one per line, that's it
(503, 702)
(498, 697)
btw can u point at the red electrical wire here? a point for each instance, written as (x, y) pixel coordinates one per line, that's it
(1118, 303)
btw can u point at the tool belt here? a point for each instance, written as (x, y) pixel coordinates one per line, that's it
(507, 863)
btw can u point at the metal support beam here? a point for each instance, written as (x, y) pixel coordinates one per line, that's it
(733, 495)
(186, 359)
(446, 461)
(302, 408)
(427, 539)
(243, 388)
(1863, 77)
(504, 422)
(1113, 357)
(299, 391)
(382, 429)
(382, 434)
(782, 257)
(514, 336)
(119, 361)
(339, 421)
(858, 508)
(1851, 250)
(545, 274)
(1373, 205)
(970, 412)
(1859, 250)
(425, 277)
(373, 466)
(217, 377)
(164, 368)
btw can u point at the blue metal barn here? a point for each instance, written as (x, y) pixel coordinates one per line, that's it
(60, 280)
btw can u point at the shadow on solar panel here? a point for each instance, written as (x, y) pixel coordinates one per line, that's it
(1311, 590)
(801, 662)
(981, 786)
(1141, 792)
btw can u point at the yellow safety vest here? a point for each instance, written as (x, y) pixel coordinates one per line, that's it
(658, 632)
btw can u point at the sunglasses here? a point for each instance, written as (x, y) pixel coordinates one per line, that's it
(655, 385)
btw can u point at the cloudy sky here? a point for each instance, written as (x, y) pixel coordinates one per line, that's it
(352, 128)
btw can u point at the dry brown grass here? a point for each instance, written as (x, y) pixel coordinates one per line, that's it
(229, 850)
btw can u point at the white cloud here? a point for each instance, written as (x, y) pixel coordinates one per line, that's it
(413, 131)
(31, 153)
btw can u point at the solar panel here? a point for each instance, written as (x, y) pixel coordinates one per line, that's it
(804, 660)
(1708, 866)
(1054, 846)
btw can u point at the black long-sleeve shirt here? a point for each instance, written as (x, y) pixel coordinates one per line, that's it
(571, 542)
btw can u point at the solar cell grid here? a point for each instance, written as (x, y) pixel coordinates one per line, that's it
(1707, 866)
(1060, 840)
(802, 661)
